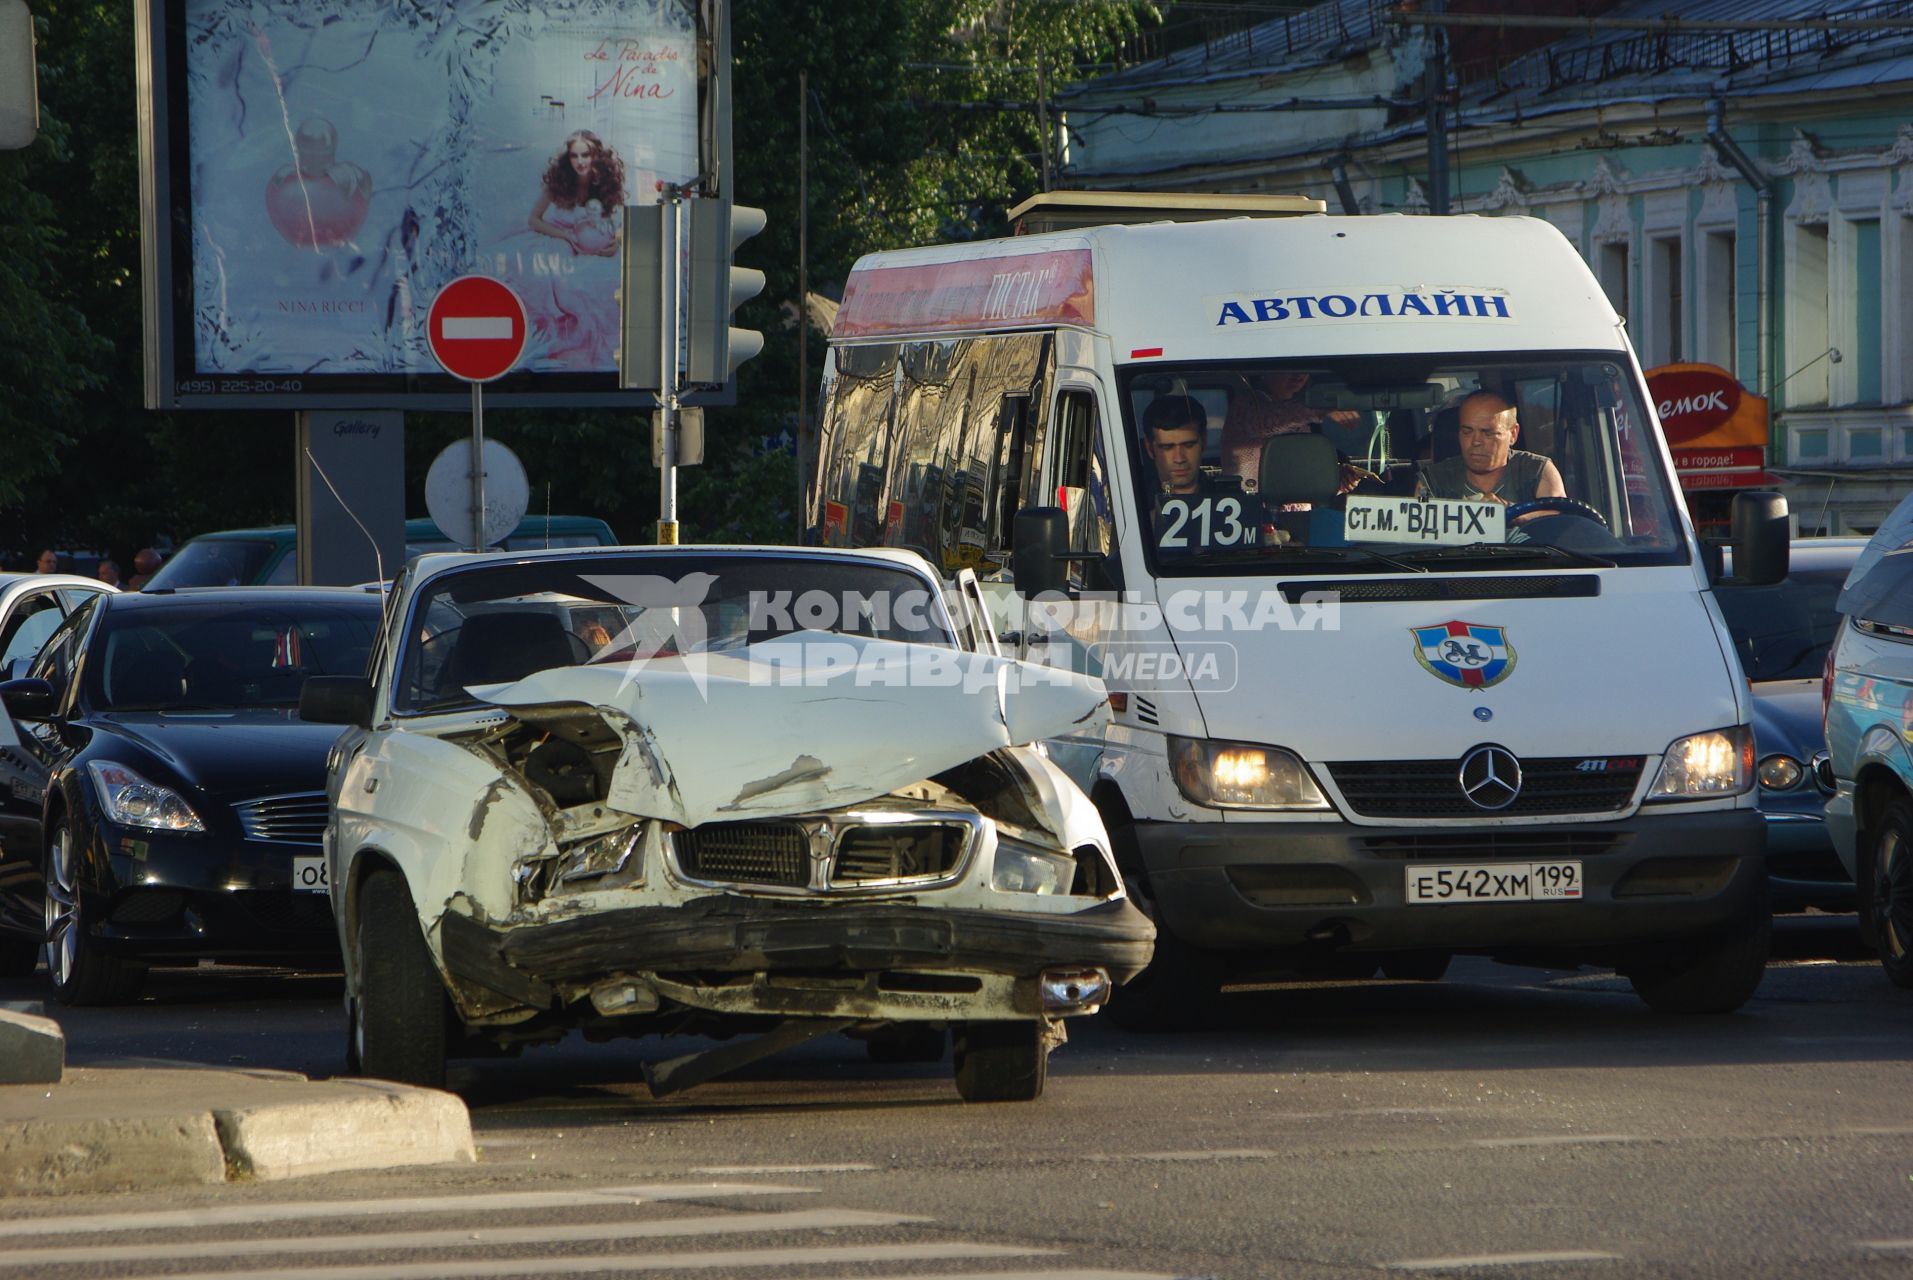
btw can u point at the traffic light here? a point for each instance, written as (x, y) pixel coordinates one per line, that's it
(715, 349)
(640, 293)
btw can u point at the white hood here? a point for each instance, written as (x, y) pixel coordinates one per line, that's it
(813, 721)
(1624, 673)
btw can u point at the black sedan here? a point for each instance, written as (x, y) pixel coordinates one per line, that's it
(160, 799)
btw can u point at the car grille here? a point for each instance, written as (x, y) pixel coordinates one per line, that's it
(819, 854)
(293, 819)
(775, 853)
(1432, 788)
(1494, 844)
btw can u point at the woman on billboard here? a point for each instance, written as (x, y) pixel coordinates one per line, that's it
(574, 309)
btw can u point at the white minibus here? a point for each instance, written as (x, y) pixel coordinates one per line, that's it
(1369, 527)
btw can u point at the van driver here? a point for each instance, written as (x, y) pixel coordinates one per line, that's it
(1489, 468)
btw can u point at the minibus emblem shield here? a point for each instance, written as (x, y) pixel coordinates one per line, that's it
(1472, 655)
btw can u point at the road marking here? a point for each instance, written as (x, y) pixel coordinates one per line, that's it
(733, 1170)
(453, 1269)
(1176, 1157)
(1556, 1140)
(1890, 1245)
(1500, 1260)
(571, 1233)
(1035, 1275)
(482, 328)
(304, 1209)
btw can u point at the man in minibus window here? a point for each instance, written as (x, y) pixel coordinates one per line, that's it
(1174, 428)
(1488, 467)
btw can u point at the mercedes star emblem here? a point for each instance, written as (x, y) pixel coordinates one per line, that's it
(1490, 777)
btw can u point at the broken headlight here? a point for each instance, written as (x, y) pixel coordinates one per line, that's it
(1025, 868)
(601, 856)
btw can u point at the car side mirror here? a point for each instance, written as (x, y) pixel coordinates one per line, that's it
(335, 700)
(1759, 532)
(28, 699)
(1039, 559)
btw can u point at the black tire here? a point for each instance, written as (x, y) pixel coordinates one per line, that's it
(1717, 977)
(77, 970)
(1888, 892)
(19, 956)
(1001, 1061)
(401, 1015)
(903, 1042)
(1181, 988)
(1416, 966)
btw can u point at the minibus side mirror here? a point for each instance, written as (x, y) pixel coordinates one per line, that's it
(336, 700)
(1758, 528)
(1039, 559)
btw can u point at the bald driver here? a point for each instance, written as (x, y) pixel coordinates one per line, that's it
(1489, 468)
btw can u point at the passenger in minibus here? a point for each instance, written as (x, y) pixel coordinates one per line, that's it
(1488, 467)
(1174, 428)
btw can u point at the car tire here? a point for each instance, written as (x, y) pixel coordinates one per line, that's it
(1717, 977)
(79, 972)
(1889, 892)
(1416, 966)
(1002, 1061)
(401, 1015)
(19, 957)
(1182, 986)
(907, 1042)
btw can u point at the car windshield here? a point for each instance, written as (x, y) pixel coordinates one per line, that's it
(209, 654)
(215, 562)
(1415, 462)
(494, 624)
(1782, 630)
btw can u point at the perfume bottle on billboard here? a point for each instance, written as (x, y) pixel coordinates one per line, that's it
(320, 201)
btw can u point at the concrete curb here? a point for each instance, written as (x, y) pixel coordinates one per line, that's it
(391, 1126)
(137, 1127)
(32, 1049)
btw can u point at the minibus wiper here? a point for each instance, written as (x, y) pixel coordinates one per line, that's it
(1509, 551)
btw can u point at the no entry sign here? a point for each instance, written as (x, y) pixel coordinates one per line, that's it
(477, 328)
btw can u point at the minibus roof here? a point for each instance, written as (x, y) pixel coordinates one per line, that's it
(1248, 288)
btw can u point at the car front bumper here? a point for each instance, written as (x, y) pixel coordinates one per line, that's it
(1276, 886)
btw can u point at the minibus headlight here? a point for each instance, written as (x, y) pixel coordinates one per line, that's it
(1705, 765)
(1242, 775)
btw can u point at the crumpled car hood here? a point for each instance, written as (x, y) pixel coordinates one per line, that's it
(809, 722)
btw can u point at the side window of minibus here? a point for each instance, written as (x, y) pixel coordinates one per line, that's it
(1079, 476)
(1012, 470)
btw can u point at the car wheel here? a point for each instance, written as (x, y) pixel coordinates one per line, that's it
(907, 1042)
(1001, 1061)
(401, 1015)
(1181, 987)
(1416, 966)
(1718, 977)
(1890, 892)
(19, 957)
(80, 973)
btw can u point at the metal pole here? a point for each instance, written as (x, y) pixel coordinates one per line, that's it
(478, 466)
(803, 293)
(1434, 92)
(668, 372)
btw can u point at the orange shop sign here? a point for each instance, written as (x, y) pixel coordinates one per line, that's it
(1716, 429)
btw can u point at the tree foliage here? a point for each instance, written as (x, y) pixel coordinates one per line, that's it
(920, 129)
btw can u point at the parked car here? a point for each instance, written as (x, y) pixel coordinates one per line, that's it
(783, 790)
(1782, 631)
(162, 801)
(1869, 718)
(31, 606)
(270, 556)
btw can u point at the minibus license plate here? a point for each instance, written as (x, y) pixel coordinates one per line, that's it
(1439, 522)
(1495, 882)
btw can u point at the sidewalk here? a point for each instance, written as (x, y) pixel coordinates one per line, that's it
(144, 1124)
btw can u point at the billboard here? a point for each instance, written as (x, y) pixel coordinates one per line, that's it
(314, 171)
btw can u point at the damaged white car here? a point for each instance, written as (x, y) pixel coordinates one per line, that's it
(716, 791)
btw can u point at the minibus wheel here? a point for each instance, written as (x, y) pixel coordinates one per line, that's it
(1889, 891)
(1717, 977)
(1181, 987)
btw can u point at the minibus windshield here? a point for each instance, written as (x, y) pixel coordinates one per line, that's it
(1421, 463)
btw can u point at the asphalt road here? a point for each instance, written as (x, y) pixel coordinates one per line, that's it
(1503, 1122)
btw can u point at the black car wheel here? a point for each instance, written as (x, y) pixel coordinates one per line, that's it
(401, 1015)
(1890, 896)
(80, 973)
(1002, 1061)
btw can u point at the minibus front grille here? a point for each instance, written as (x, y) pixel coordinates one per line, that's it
(1428, 586)
(1494, 844)
(1432, 788)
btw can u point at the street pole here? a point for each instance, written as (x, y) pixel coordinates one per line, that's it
(668, 369)
(478, 466)
(1435, 92)
(803, 292)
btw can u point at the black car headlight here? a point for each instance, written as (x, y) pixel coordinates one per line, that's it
(129, 800)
